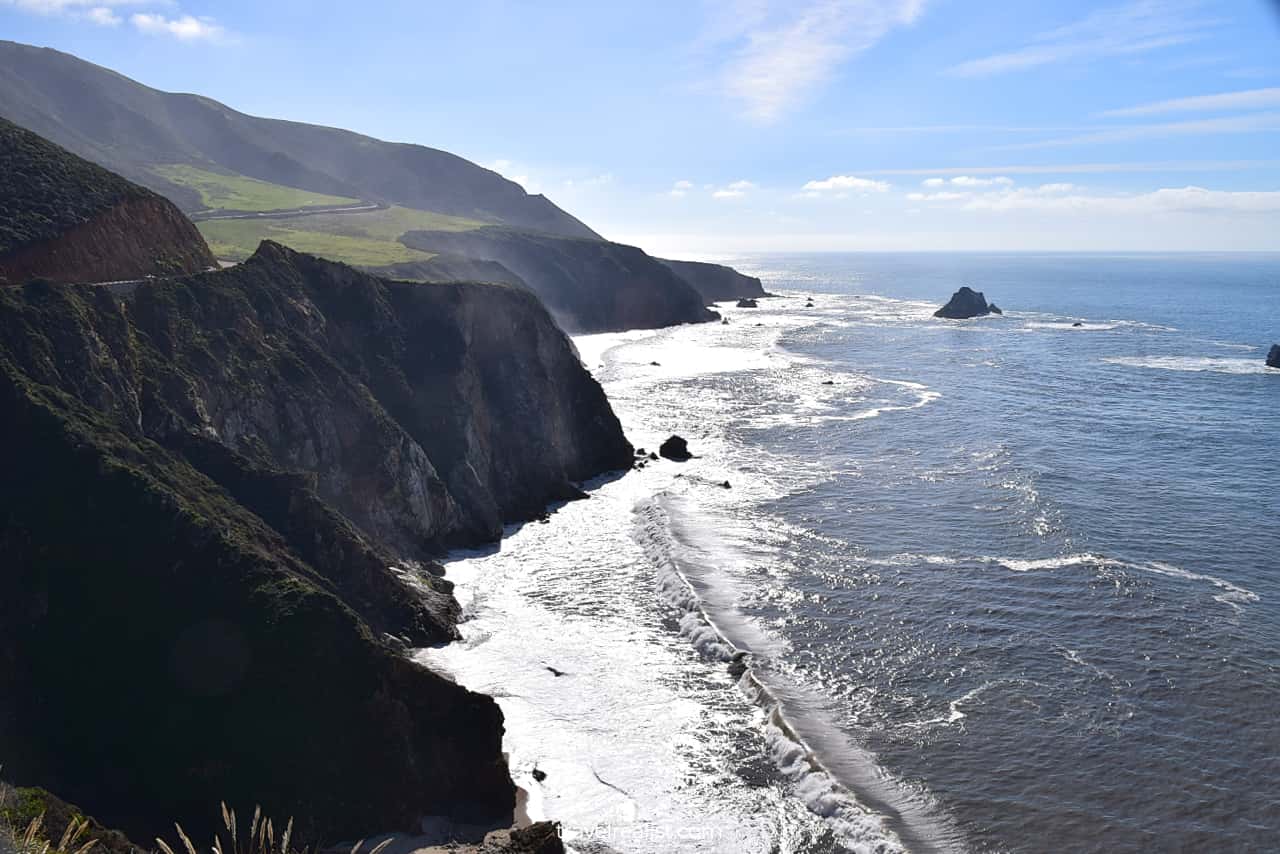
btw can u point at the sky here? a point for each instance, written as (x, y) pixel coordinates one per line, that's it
(699, 128)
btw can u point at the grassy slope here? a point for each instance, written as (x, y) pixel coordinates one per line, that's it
(224, 191)
(362, 239)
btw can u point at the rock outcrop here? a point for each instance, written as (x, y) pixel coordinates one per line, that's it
(1273, 357)
(675, 448)
(966, 303)
(716, 282)
(589, 285)
(213, 490)
(68, 220)
(748, 303)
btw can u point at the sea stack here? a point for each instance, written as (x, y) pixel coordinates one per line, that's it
(747, 303)
(966, 303)
(1273, 358)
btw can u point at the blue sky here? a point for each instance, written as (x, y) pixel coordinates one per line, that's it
(705, 127)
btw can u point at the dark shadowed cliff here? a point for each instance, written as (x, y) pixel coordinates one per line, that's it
(212, 488)
(717, 282)
(65, 219)
(590, 285)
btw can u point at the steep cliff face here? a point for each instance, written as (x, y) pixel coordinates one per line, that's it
(716, 282)
(210, 486)
(65, 219)
(590, 285)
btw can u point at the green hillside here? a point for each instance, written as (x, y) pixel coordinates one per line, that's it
(221, 191)
(365, 239)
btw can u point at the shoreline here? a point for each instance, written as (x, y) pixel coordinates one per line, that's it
(639, 502)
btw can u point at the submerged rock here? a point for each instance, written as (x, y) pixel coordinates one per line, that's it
(1077, 324)
(676, 449)
(966, 303)
(747, 303)
(1273, 358)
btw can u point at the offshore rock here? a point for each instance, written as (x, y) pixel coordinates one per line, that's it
(966, 303)
(675, 448)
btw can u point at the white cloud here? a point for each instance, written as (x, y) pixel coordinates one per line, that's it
(1248, 99)
(945, 196)
(680, 188)
(103, 17)
(183, 27)
(59, 7)
(1061, 187)
(1136, 27)
(847, 182)
(970, 181)
(934, 182)
(786, 50)
(735, 190)
(96, 11)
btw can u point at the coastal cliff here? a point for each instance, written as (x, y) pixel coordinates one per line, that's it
(716, 282)
(589, 285)
(216, 491)
(65, 219)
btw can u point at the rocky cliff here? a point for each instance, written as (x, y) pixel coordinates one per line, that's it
(65, 219)
(716, 282)
(213, 489)
(590, 285)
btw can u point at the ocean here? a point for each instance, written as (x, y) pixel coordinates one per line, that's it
(1005, 584)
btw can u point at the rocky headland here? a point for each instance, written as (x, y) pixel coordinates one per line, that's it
(221, 493)
(716, 282)
(589, 285)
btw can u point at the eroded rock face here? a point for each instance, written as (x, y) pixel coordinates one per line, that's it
(675, 448)
(1273, 357)
(211, 490)
(966, 303)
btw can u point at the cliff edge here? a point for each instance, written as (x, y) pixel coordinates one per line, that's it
(219, 492)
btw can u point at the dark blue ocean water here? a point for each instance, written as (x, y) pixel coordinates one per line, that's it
(1044, 581)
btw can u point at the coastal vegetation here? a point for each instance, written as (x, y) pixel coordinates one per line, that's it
(225, 191)
(362, 239)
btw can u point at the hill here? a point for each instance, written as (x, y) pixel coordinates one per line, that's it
(187, 147)
(66, 219)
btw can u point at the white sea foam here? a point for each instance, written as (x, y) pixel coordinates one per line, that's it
(1194, 364)
(1232, 594)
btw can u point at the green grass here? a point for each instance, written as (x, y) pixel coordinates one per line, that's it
(361, 239)
(220, 191)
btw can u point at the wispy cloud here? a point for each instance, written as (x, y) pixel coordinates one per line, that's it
(1168, 200)
(1133, 28)
(680, 189)
(184, 27)
(734, 191)
(1245, 100)
(1086, 168)
(1253, 123)
(846, 183)
(104, 13)
(780, 52)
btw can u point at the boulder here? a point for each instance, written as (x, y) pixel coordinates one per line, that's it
(747, 303)
(676, 449)
(1273, 358)
(966, 303)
